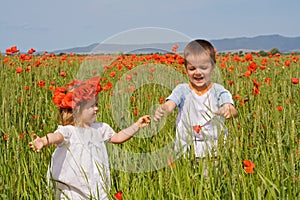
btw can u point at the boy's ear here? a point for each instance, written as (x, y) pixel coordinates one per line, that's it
(214, 67)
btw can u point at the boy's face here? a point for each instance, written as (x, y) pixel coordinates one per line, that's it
(88, 112)
(199, 69)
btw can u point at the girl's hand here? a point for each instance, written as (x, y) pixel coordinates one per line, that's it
(37, 144)
(227, 111)
(144, 121)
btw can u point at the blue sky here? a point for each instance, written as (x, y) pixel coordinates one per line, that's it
(59, 24)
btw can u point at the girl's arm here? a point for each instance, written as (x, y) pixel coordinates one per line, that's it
(51, 138)
(164, 109)
(127, 133)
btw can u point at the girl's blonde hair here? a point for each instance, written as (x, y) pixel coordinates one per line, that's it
(71, 98)
(65, 117)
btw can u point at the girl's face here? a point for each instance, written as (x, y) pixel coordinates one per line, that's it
(199, 69)
(88, 112)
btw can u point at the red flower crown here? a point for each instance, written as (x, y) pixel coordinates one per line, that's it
(66, 97)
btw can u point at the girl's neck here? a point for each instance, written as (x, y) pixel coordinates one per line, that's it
(82, 125)
(201, 91)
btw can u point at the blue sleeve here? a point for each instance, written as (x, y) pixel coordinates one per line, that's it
(177, 95)
(225, 96)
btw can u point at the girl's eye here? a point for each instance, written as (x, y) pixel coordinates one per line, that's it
(94, 105)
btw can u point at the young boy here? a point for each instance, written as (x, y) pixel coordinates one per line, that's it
(202, 104)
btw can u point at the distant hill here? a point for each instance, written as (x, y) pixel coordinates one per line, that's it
(265, 43)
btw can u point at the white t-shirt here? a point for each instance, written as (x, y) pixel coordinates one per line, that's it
(79, 165)
(196, 122)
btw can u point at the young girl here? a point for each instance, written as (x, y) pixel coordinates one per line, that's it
(79, 167)
(203, 105)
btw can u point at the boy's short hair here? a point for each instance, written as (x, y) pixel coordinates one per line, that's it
(198, 46)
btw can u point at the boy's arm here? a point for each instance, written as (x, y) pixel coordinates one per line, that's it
(164, 109)
(51, 138)
(227, 110)
(127, 133)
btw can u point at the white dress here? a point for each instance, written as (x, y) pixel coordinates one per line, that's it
(79, 167)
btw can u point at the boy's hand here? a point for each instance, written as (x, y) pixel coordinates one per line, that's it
(159, 113)
(144, 121)
(37, 144)
(227, 111)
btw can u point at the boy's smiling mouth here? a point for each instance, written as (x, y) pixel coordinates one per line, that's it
(198, 78)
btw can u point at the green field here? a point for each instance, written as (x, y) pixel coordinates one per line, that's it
(266, 132)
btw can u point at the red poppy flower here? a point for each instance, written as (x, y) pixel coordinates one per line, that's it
(19, 70)
(223, 65)
(287, 63)
(14, 49)
(5, 137)
(133, 99)
(197, 128)
(247, 73)
(82, 91)
(5, 60)
(248, 57)
(255, 91)
(118, 195)
(37, 63)
(120, 67)
(249, 166)
(63, 74)
(161, 100)
(31, 51)
(129, 77)
(295, 80)
(262, 67)
(237, 96)
(256, 84)
(151, 70)
(8, 52)
(51, 88)
(41, 83)
(108, 86)
(28, 68)
(21, 135)
(112, 74)
(252, 67)
(279, 108)
(135, 111)
(174, 48)
(268, 81)
(171, 162)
